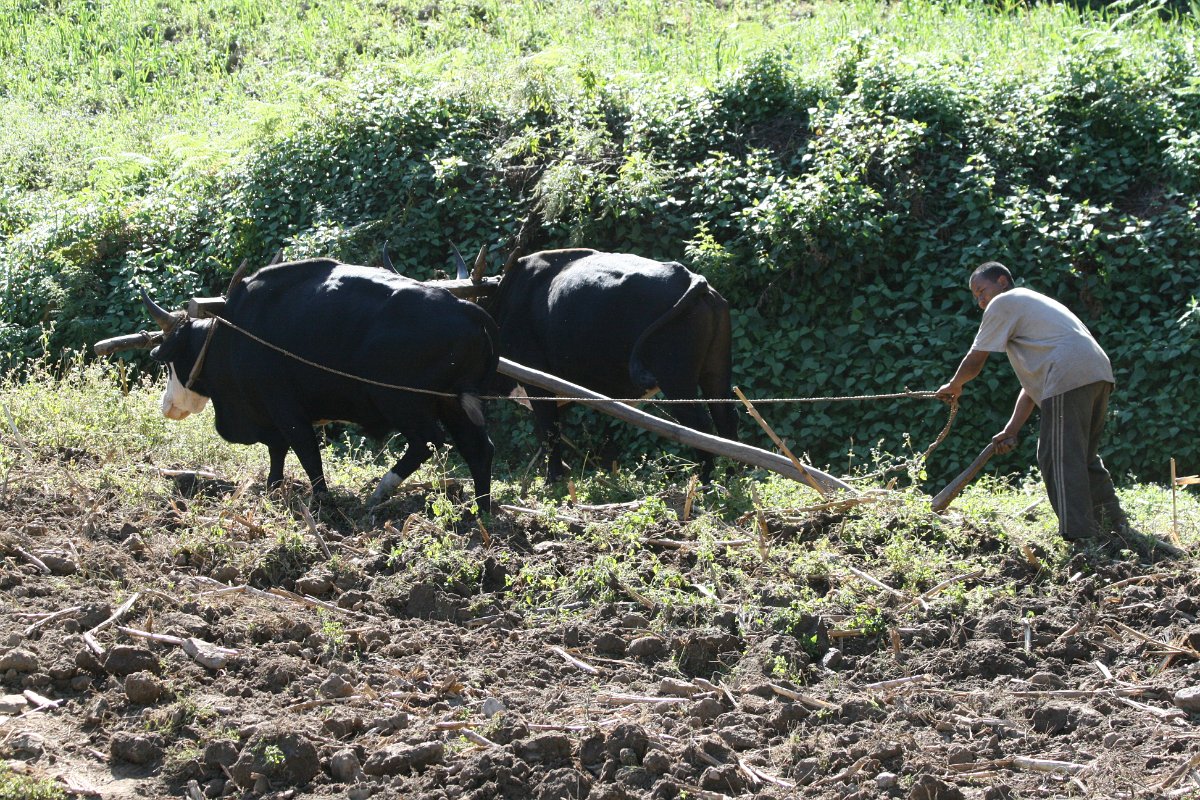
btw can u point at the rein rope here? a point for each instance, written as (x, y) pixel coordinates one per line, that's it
(924, 395)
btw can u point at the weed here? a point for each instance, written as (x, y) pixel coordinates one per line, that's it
(334, 632)
(23, 787)
(869, 620)
(273, 755)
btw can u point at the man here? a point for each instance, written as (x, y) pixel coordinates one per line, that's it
(1066, 374)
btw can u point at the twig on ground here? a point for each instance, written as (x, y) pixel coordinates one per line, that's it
(929, 593)
(622, 699)
(878, 584)
(979, 723)
(631, 504)
(690, 497)
(714, 687)
(312, 528)
(57, 615)
(573, 661)
(92, 644)
(204, 653)
(477, 738)
(1160, 713)
(566, 728)
(1182, 650)
(249, 525)
(121, 611)
(540, 513)
(846, 774)
(864, 497)
(672, 544)
(1178, 773)
(638, 596)
(32, 559)
(896, 683)
(1153, 576)
(304, 599)
(701, 794)
(304, 705)
(799, 697)
(193, 474)
(1048, 765)
(40, 703)
(762, 777)
(12, 424)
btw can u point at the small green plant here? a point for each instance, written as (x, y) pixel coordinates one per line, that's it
(868, 619)
(23, 787)
(273, 755)
(334, 631)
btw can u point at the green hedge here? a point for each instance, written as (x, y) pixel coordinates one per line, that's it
(839, 213)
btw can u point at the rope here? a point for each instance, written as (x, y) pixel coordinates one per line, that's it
(666, 401)
(315, 365)
(706, 401)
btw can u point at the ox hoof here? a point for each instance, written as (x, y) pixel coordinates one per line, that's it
(384, 490)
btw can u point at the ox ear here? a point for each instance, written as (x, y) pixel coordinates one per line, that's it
(387, 260)
(480, 265)
(164, 318)
(460, 265)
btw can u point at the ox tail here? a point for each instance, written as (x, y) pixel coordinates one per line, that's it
(641, 375)
(473, 405)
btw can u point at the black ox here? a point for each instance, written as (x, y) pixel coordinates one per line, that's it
(317, 341)
(620, 325)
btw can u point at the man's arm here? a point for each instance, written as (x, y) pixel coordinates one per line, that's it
(971, 366)
(1006, 439)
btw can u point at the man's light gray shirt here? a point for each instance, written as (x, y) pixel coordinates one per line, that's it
(1049, 348)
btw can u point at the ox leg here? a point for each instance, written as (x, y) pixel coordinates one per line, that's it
(278, 448)
(546, 425)
(278, 452)
(724, 415)
(422, 437)
(416, 454)
(476, 449)
(297, 433)
(715, 383)
(692, 415)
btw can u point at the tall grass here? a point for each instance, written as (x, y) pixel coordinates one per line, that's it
(83, 82)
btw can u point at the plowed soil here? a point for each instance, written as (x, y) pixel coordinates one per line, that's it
(137, 668)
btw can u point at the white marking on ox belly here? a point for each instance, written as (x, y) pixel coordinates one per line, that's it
(178, 401)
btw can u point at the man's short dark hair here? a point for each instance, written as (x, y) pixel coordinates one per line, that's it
(991, 271)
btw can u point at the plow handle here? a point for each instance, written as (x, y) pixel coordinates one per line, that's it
(947, 495)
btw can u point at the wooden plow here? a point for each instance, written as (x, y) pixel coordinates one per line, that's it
(737, 451)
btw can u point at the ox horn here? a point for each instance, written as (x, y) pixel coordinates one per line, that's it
(387, 260)
(132, 341)
(480, 265)
(460, 264)
(164, 318)
(512, 259)
(236, 280)
(277, 258)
